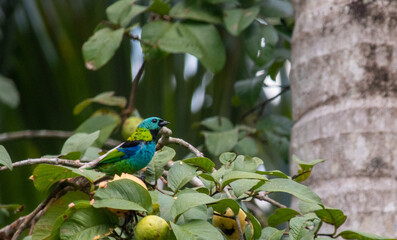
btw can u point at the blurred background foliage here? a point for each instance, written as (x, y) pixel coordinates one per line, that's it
(40, 53)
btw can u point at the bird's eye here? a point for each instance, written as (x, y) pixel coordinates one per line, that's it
(154, 120)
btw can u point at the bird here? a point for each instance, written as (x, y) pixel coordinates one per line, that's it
(135, 153)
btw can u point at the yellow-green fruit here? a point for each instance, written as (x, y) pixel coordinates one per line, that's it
(228, 225)
(130, 125)
(151, 227)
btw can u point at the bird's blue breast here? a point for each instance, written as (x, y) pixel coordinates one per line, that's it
(139, 156)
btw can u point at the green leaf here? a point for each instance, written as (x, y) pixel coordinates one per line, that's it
(101, 46)
(227, 157)
(255, 224)
(289, 186)
(123, 11)
(79, 142)
(236, 175)
(222, 205)
(219, 142)
(201, 162)
(104, 123)
(71, 156)
(361, 236)
(276, 8)
(195, 11)
(155, 168)
(160, 6)
(45, 227)
(303, 228)
(281, 215)
(105, 98)
(331, 216)
(260, 41)
(186, 201)
(92, 153)
(196, 213)
(180, 174)
(236, 20)
(218, 174)
(277, 173)
(270, 233)
(246, 146)
(5, 158)
(88, 223)
(44, 175)
(305, 168)
(200, 40)
(9, 94)
(243, 185)
(123, 194)
(307, 207)
(248, 90)
(277, 124)
(208, 177)
(246, 163)
(195, 230)
(274, 69)
(217, 123)
(78, 204)
(165, 203)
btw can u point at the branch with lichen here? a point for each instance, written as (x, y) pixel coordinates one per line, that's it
(52, 161)
(164, 140)
(9, 136)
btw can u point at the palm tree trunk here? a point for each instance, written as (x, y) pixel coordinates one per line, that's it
(344, 94)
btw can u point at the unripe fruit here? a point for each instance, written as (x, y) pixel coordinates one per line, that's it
(129, 126)
(228, 225)
(151, 227)
(130, 177)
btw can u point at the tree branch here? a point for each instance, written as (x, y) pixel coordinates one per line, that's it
(167, 139)
(22, 223)
(9, 136)
(53, 161)
(263, 196)
(131, 107)
(263, 104)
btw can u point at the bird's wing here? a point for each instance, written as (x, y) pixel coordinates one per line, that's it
(129, 147)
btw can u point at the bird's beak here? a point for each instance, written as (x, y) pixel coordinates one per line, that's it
(163, 123)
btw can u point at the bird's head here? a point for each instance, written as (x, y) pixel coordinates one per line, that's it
(153, 124)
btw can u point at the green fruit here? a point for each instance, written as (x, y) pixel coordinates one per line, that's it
(130, 125)
(151, 227)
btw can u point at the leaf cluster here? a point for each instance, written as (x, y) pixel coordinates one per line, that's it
(111, 209)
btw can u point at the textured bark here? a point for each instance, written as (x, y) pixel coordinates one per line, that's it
(344, 93)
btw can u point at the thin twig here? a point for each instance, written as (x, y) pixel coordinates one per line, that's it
(137, 77)
(263, 104)
(164, 181)
(160, 190)
(134, 37)
(166, 139)
(263, 196)
(53, 161)
(39, 214)
(300, 174)
(240, 230)
(9, 136)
